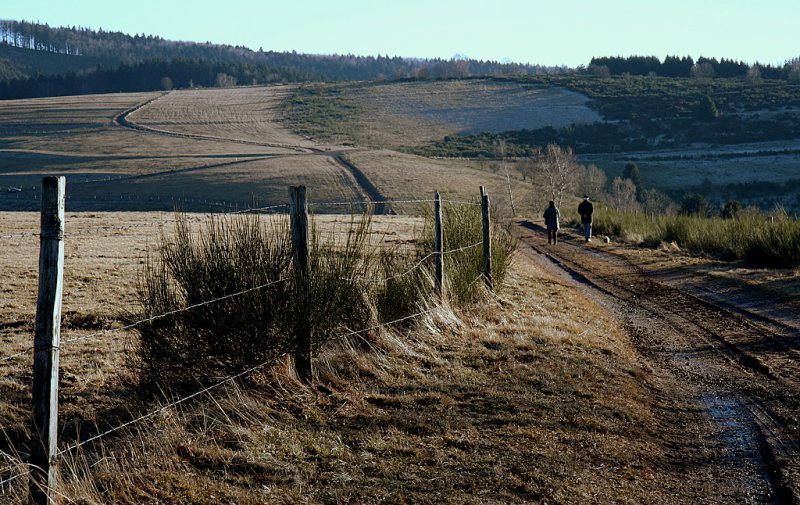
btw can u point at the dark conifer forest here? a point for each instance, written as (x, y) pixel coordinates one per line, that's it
(97, 61)
(37, 60)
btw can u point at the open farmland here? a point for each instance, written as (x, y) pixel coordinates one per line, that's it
(564, 386)
(198, 149)
(396, 115)
(535, 395)
(459, 118)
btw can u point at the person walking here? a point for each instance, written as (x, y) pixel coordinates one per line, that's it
(551, 216)
(586, 209)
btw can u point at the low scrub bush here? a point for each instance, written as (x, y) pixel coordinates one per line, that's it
(226, 256)
(234, 257)
(463, 270)
(245, 263)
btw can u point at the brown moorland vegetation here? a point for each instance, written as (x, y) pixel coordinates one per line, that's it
(533, 395)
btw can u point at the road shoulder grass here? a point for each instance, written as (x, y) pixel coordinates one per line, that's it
(535, 396)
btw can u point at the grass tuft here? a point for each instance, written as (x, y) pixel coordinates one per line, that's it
(753, 237)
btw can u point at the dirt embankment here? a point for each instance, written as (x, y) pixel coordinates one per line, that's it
(739, 371)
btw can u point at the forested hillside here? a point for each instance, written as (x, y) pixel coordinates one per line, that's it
(37, 60)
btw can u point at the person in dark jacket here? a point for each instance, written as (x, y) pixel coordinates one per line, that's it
(551, 216)
(586, 209)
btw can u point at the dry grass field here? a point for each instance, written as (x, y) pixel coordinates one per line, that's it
(208, 147)
(534, 395)
(393, 115)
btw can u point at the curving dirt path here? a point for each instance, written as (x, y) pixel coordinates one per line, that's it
(739, 370)
(336, 156)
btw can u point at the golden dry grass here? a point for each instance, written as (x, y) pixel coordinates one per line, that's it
(166, 170)
(532, 396)
(249, 113)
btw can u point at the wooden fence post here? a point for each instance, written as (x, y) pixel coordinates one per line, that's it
(487, 240)
(44, 449)
(439, 242)
(298, 215)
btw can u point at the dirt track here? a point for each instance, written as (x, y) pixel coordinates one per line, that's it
(728, 381)
(124, 120)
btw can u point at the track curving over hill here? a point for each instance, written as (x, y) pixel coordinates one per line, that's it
(336, 156)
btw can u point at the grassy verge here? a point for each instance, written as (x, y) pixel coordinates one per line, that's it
(753, 237)
(535, 398)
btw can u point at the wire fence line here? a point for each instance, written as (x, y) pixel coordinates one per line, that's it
(224, 381)
(10, 357)
(202, 391)
(149, 319)
(159, 222)
(416, 265)
(388, 202)
(234, 212)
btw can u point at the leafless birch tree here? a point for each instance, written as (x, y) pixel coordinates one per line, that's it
(560, 171)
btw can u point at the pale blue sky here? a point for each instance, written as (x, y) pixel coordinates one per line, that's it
(555, 32)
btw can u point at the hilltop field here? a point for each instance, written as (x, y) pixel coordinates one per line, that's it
(588, 377)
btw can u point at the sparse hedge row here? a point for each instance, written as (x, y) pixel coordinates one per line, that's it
(225, 255)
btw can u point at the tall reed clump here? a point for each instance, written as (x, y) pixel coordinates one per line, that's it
(752, 236)
(463, 233)
(408, 287)
(338, 301)
(224, 257)
(261, 300)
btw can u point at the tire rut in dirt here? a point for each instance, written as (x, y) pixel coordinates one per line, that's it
(748, 367)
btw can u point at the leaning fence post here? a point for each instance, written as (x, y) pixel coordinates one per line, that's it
(487, 240)
(439, 242)
(44, 450)
(298, 216)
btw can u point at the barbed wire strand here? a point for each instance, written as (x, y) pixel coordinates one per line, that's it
(12, 479)
(147, 320)
(220, 383)
(19, 235)
(364, 202)
(172, 312)
(396, 276)
(242, 211)
(417, 265)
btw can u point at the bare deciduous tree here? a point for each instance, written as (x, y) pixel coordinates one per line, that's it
(225, 81)
(656, 202)
(753, 75)
(703, 70)
(623, 194)
(592, 181)
(560, 171)
(794, 71)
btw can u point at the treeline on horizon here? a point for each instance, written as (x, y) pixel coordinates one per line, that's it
(686, 66)
(98, 61)
(113, 57)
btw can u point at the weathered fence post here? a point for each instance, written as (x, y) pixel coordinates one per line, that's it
(439, 242)
(298, 215)
(487, 240)
(44, 450)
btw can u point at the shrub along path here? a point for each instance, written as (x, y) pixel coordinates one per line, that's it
(534, 396)
(740, 371)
